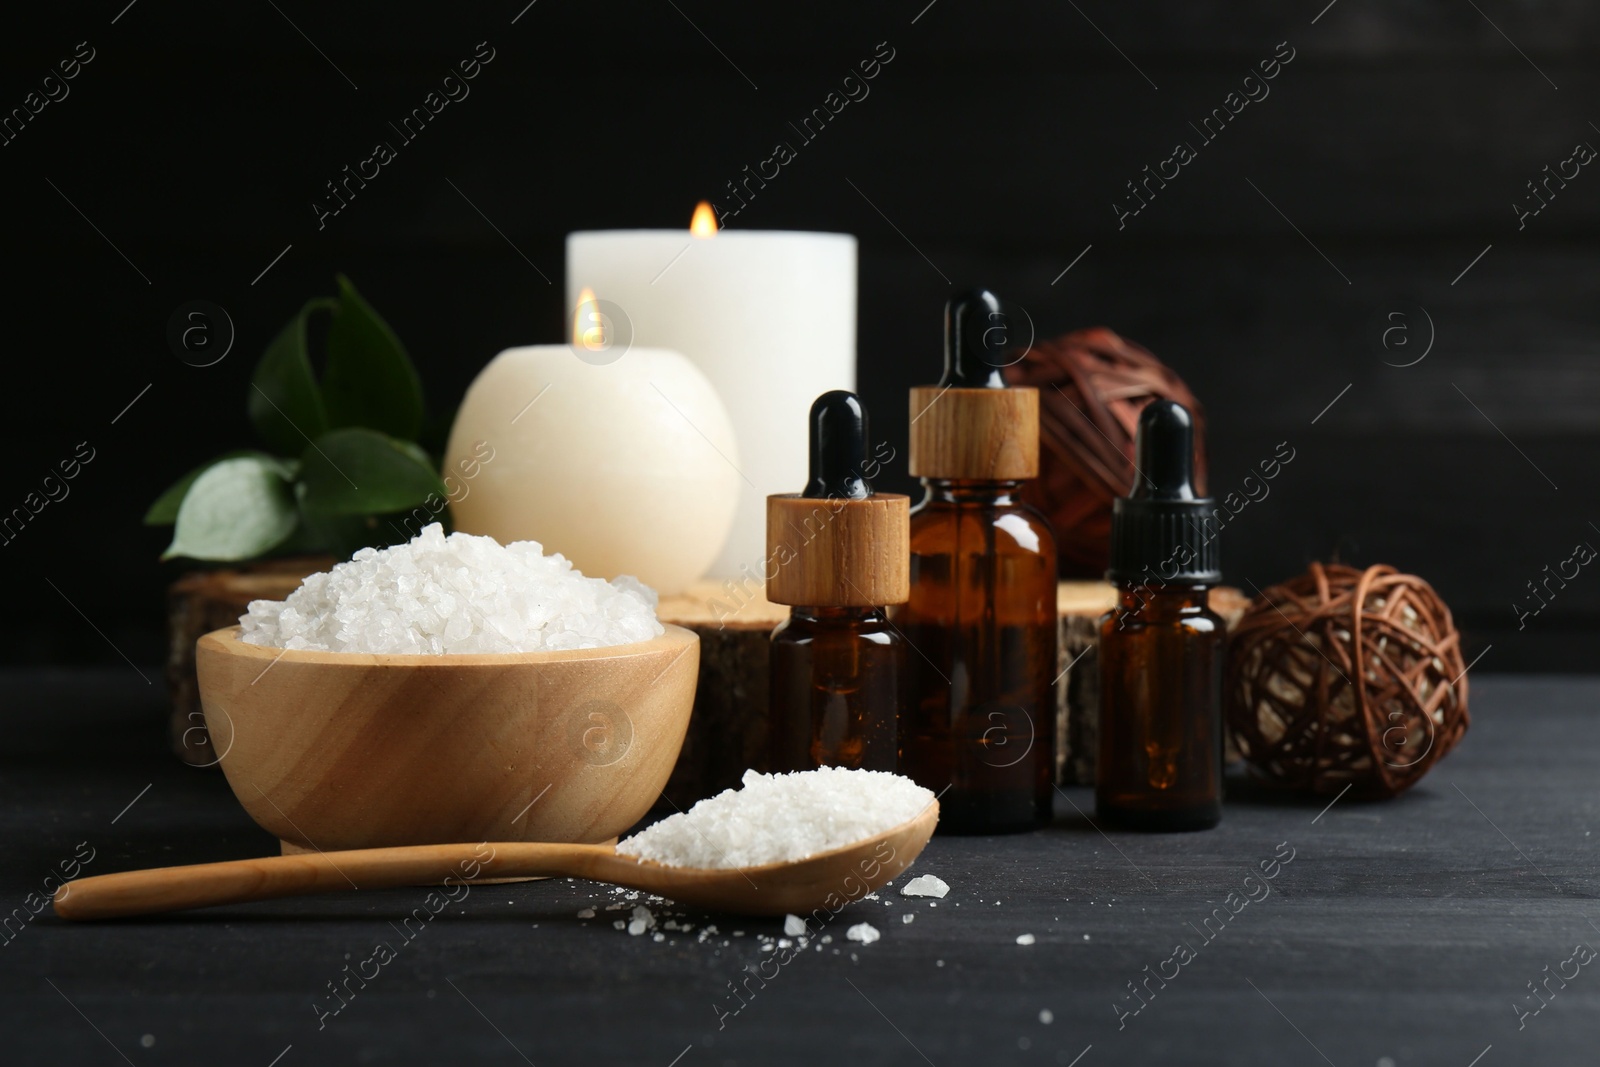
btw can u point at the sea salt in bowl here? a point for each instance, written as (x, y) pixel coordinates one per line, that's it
(339, 750)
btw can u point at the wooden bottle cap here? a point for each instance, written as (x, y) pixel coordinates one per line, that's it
(835, 553)
(976, 434)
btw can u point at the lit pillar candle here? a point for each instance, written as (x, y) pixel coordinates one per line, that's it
(618, 456)
(769, 316)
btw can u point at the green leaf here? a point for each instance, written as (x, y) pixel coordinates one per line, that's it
(164, 512)
(370, 380)
(285, 404)
(341, 535)
(236, 509)
(358, 471)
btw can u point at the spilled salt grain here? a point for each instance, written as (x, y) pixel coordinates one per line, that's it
(642, 920)
(907, 917)
(865, 933)
(586, 913)
(438, 595)
(1047, 1016)
(794, 926)
(776, 818)
(927, 885)
(1025, 939)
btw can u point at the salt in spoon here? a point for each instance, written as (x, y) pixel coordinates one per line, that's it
(797, 886)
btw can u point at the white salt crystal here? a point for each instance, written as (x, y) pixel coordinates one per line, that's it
(438, 595)
(907, 917)
(775, 818)
(927, 885)
(1025, 939)
(794, 926)
(636, 927)
(865, 933)
(620, 924)
(586, 913)
(1046, 1016)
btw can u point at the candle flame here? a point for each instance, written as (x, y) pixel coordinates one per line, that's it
(704, 223)
(588, 324)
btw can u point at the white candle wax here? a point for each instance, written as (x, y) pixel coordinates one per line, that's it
(769, 316)
(619, 460)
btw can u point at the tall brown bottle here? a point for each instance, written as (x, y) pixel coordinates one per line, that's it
(979, 728)
(839, 549)
(1161, 647)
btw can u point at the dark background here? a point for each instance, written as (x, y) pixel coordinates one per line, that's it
(993, 145)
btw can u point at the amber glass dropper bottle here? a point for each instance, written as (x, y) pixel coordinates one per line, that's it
(979, 728)
(1161, 647)
(837, 555)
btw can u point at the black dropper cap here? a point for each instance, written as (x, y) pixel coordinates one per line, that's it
(1163, 532)
(977, 335)
(838, 448)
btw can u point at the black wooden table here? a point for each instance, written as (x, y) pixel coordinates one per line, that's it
(1400, 933)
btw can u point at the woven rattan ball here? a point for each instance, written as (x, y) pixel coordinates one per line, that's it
(1092, 385)
(1343, 677)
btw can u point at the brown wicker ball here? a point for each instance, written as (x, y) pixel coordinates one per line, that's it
(1346, 677)
(1092, 385)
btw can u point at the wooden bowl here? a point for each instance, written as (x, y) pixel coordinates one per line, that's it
(334, 750)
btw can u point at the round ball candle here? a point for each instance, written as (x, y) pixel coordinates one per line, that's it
(770, 316)
(620, 458)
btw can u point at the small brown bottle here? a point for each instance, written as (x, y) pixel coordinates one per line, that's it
(1161, 647)
(837, 555)
(979, 728)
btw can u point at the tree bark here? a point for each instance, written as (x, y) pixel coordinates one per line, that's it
(202, 601)
(728, 732)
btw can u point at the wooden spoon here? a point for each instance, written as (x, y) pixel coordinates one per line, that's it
(824, 880)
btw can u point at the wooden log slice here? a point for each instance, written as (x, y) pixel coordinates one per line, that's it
(728, 732)
(198, 603)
